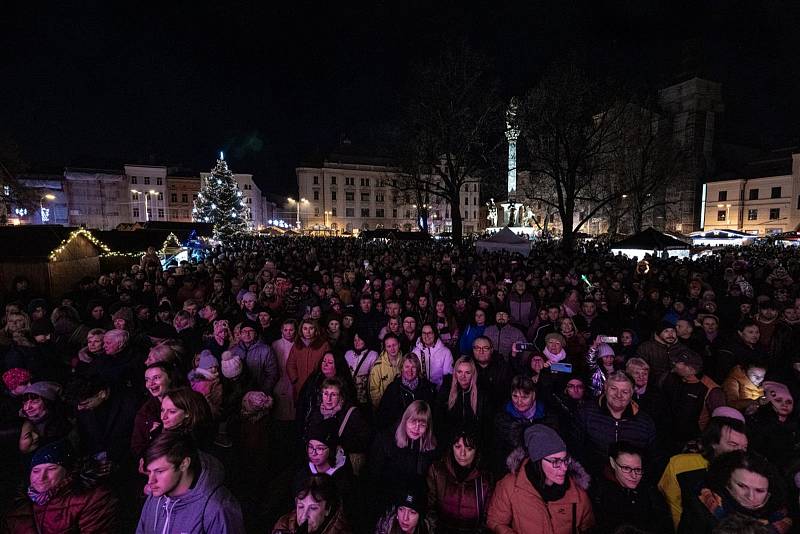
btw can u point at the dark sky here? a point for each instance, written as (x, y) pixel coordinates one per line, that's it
(97, 84)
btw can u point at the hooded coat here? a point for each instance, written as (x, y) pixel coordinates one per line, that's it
(437, 361)
(208, 507)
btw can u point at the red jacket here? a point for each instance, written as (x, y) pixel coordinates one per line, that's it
(517, 508)
(303, 360)
(91, 511)
(458, 505)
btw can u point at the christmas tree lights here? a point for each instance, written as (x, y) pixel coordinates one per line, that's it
(220, 202)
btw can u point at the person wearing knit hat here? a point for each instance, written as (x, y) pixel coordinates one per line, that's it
(47, 390)
(656, 352)
(57, 452)
(42, 329)
(231, 365)
(727, 411)
(554, 344)
(545, 481)
(408, 512)
(780, 398)
(16, 380)
(123, 318)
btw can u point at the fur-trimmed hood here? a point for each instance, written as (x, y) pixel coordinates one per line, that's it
(576, 471)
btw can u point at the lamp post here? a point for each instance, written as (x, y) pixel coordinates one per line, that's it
(301, 201)
(45, 218)
(145, 193)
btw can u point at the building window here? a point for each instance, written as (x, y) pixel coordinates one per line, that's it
(333, 212)
(333, 195)
(249, 200)
(149, 213)
(408, 214)
(136, 212)
(316, 212)
(194, 196)
(752, 215)
(146, 180)
(159, 181)
(349, 212)
(394, 213)
(135, 197)
(365, 212)
(723, 196)
(474, 214)
(316, 195)
(475, 188)
(721, 215)
(754, 194)
(379, 213)
(466, 201)
(378, 197)
(365, 182)
(474, 201)
(776, 192)
(173, 197)
(349, 196)
(333, 180)
(316, 180)
(134, 180)
(774, 213)
(184, 197)
(161, 196)
(364, 197)
(349, 180)
(160, 213)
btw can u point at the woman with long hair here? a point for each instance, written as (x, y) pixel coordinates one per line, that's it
(159, 378)
(308, 349)
(186, 411)
(461, 403)
(401, 455)
(446, 325)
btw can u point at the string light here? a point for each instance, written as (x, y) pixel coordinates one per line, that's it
(75, 233)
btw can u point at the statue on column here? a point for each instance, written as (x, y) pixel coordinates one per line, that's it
(492, 213)
(511, 214)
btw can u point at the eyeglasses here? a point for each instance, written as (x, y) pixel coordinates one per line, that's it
(558, 463)
(316, 450)
(637, 471)
(481, 348)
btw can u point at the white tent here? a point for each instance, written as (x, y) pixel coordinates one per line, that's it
(505, 239)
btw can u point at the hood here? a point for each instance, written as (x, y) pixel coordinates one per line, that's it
(184, 513)
(435, 348)
(341, 458)
(519, 457)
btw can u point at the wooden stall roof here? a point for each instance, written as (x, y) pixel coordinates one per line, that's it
(34, 241)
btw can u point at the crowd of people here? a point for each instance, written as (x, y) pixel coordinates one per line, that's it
(334, 385)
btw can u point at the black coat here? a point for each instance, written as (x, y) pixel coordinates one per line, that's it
(398, 397)
(108, 428)
(614, 505)
(779, 442)
(461, 415)
(391, 467)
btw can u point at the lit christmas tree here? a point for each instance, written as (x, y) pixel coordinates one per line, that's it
(220, 202)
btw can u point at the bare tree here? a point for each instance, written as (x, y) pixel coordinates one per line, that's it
(11, 190)
(451, 126)
(567, 123)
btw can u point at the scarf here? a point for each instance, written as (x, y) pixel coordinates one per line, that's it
(410, 384)
(327, 414)
(531, 413)
(41, 498)
(548, 492)
(554, 358)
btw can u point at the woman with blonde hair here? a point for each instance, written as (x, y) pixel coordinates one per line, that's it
(401, 455)
(461, 403)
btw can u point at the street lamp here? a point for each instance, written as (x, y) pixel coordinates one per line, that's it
(151, 192)
(45, 216)
(302, 201)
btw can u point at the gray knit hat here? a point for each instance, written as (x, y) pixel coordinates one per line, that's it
(542, 441)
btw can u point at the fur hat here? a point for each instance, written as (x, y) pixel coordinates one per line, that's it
(231, 365)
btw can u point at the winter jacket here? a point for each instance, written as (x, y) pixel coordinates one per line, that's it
(146, 418)
(657, 355)
(283, 409)
(77, 509)
(457, 505)
(734, 353)
(302, 362)
(381, 375)
(388, 524)
(360, 365)
(503, 338)
(341, 472)
(740, 392)
(522, 308)
(391, 467)
(207, 507)
(517, 508)
(595, 429)
(643, 507)
(470, 334)
(354, 437)
(398, 397)
(336, 525)
(450, 420)
(509, 428)
(691, 404)
(437, 361)
(495, 381)
(262, 366)
(683, 474)
(107, 428)
(779, 442)
(706, 508)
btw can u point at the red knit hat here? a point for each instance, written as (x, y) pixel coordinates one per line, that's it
(16, 377)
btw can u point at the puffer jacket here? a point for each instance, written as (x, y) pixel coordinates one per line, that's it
(437, 361)
(740, 392)
(457, 505)
(75, 510)
(207, 507)
(262, 365)
(517, 508)
(381, 375)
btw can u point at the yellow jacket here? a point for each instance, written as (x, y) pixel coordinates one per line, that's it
(740, 392)
(381, 375)
(678, 468)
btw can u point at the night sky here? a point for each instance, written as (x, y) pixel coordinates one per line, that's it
(97, 84)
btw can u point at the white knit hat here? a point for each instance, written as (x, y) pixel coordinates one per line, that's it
(231, 365)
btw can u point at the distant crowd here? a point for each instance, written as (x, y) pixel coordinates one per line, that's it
(334, 385)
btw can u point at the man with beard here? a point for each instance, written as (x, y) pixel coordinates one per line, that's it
(657, 351)
(502, 334)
